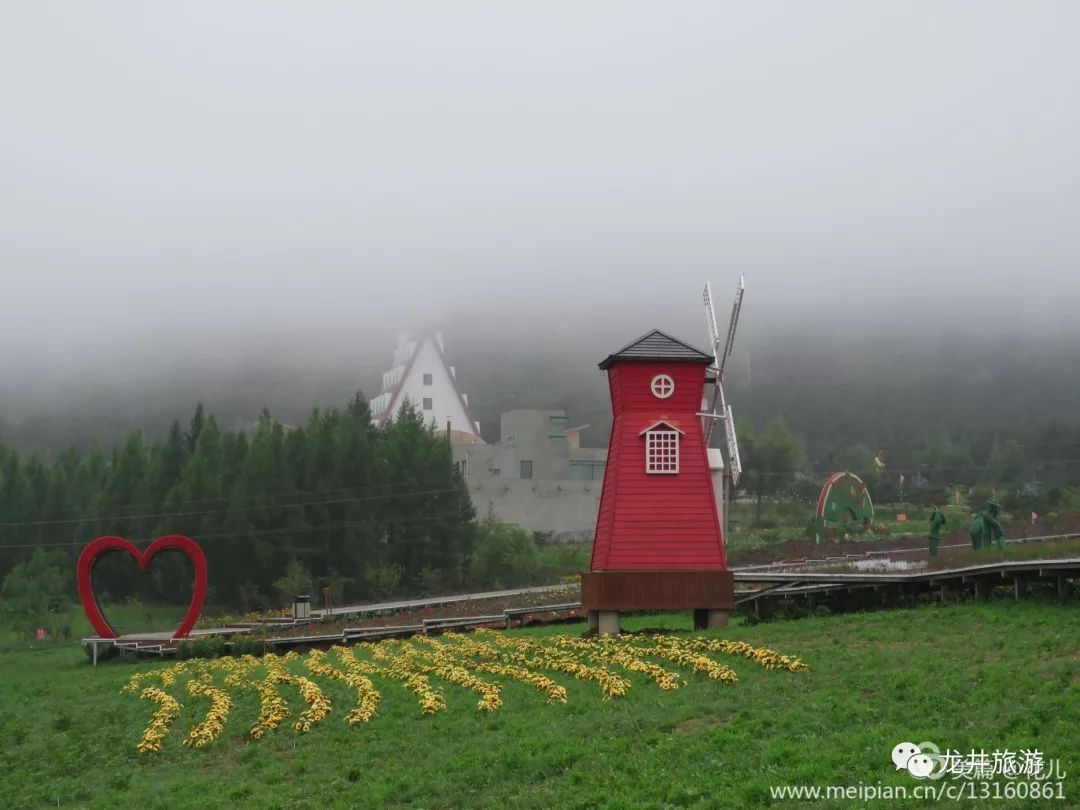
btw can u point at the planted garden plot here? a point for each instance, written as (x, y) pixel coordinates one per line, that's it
(291, 686)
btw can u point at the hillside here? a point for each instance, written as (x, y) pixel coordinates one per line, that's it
(983, 676)
(833, 389)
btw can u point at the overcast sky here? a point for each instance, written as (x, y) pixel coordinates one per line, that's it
(191, 179)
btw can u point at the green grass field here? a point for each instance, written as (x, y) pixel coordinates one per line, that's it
(994, 676)
(126, 618)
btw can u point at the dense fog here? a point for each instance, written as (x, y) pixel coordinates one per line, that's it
(244, 204)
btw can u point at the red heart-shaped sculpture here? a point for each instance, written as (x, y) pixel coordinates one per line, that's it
(102, 545)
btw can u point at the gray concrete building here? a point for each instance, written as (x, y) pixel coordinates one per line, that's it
(537, 475)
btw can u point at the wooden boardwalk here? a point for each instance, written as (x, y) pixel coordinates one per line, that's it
(756, 585)
(153, 643)
(976, 578)
(373, 608)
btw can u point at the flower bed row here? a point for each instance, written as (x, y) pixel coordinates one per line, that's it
(480, 663)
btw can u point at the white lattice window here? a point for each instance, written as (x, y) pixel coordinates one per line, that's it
(661, 450)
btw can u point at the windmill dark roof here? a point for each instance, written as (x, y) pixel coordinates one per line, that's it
(657, 345)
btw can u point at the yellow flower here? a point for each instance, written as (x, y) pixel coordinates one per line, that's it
(453, 658)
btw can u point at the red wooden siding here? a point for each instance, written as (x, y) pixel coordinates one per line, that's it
(656, 522)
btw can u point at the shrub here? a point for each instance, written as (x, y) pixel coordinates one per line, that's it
(560, 561)
(505, 557)
(253, 643)
(386, 579)
(432, 581)
(34, 593)
(204, 647)
(295, 582)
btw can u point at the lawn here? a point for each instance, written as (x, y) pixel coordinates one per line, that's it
(126, 618)
(781, 531)
(991, 675)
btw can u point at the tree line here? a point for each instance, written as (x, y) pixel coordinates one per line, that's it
(376, 512)
(1027, 470)
(278, 510)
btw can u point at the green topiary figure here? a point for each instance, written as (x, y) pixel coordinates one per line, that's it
(986, 528)
(937, 520)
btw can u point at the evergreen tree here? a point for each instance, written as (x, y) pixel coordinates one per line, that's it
(770, 458)
(195, 427)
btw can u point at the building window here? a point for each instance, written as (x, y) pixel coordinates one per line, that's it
(526, 469)
(427, 403)
(427, 379)
(587, 470)
(661, 451)
(662, 386)
(462, 467)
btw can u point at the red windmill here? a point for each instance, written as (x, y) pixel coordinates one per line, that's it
(658, 541)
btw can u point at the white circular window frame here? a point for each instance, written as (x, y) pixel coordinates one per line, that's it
(662, 386)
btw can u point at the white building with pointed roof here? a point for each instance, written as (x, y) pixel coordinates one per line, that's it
(421, 375)
(536, 476)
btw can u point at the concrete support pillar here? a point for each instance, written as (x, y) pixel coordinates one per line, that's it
(719, 618)
(982, 589)
(608, 623)
(1061, 583)
(1018, 588)
(944, 593)
(757, 608)
(594, 621)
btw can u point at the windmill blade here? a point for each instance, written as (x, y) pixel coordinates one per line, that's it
(708, 408)
(721, 352)
(734, 460)
(736, 309)
(710, 319)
